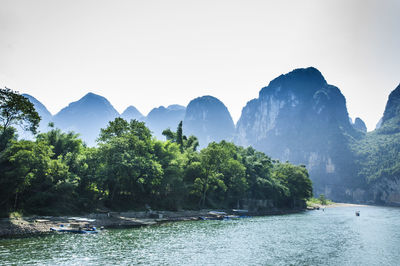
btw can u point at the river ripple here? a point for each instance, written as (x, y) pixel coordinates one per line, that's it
(331, 237)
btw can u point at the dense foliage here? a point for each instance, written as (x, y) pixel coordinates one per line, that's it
(378, 157)
(129, 169)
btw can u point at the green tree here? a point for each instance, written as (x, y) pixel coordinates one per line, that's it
(184, 142)
(322, 199)
(258, 174)
(129, 172)
(15, 109)
(68, 148)
(36, 182)
(171, 191)
(296, 179)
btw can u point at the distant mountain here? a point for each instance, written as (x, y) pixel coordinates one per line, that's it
(131, 113)
(209, 120)
(162, 118)
(359, 125)
(300, 118)
(45, 117)
(176, 107)
(86, 116)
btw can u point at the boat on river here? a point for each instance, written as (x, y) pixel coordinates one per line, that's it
(214, 215)
(76, 228)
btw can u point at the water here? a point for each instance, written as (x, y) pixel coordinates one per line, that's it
(333, 237)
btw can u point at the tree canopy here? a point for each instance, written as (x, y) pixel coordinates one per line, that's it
(129, 169)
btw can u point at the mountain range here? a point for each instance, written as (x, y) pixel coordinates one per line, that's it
(298, 117)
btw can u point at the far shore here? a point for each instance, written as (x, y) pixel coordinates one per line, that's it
(338, 204)
(317, 206)
(35, 225)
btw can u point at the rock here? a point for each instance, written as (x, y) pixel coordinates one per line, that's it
(392, 109)
(300, 118)
(360, 125)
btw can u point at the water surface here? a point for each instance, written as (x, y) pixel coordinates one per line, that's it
(331, 237)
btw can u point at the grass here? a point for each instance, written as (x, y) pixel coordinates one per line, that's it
(319, 201)
(15, 215)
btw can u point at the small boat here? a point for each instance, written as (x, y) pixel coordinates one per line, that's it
(211, 218)
(241, 213)
(80, 219)
(215, 215)
(75, 228)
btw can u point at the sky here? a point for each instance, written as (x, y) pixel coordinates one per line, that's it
(150, 53)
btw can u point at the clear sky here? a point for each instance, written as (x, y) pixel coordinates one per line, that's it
(149, 53)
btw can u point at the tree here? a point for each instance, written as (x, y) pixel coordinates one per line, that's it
(15, 109)
(322, 199)
(31, 180)
(296, 179)
(184, 142)
(179, 136)
(128, 170)
(171, 191)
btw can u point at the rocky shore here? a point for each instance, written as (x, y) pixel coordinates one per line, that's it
(25, 226)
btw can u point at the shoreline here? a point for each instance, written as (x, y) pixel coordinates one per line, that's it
(316, 206)
(338, 204)
(37, 225)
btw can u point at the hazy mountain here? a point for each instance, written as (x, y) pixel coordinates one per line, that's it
(86, 116)
(44, 114)
(132, 113)
(300, 118)
(359, 125)
(209, 120)
(176, 107)
(162, 118)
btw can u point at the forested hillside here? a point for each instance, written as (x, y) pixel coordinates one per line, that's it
(378, 158)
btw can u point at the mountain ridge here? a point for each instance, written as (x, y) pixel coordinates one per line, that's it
(298, 117)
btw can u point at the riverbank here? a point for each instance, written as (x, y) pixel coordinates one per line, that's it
(334, 205)
(24, 226)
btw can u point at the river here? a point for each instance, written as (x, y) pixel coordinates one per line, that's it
(335, 236)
